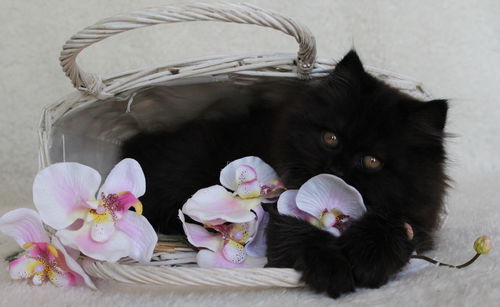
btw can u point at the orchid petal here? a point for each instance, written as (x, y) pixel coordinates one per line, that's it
(255, 262)
(68, 263)
(127, 175)
(287, 205)
(141, 234)
(327, 191)
(257, 245)
(116, 247)
(245, 173)
(73, 253)
(63, 279)
(199, 236)
(61, 192)
(127, 200)
(250, 189)
(102, 231)
(334, 231)
(93, 204)
(216, 203)
(265, 173)
(22, 267)
(24, 225)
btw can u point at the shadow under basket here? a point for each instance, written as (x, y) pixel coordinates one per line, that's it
(89, 125)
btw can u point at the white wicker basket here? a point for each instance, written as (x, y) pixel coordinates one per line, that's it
(89, 125)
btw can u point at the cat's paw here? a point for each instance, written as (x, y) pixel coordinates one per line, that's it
(376, 249)
(297, 244)
(326, 270)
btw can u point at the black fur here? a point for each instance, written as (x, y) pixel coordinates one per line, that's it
(283, 123)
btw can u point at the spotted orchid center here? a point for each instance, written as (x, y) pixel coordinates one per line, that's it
(272, 190)
(245, 174)
(39, 268)
(234, 252)
(239, 233)
(100, 209)
(45, 256)
(114, 205)
(235, 232)
(247, 184)
(334, 218)
(235, 237)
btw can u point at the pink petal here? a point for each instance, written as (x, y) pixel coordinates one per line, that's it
(24, 225)
(142, 236)
(257, 245)
(127, 200)
(69, 264)
(199, 236)
(215, 202)
(287, 205)
(42, 251)
(265, 173)
(327, 191)
(116, 247)
(21, 267)
(127, 175)
(61, 192)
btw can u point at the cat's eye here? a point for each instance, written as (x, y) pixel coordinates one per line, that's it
(330, 139)
(372, 163)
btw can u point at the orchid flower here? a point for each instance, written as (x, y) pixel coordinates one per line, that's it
(326, 201)
(100, 225)
(229, 245)
(43, 261)
(251, 181)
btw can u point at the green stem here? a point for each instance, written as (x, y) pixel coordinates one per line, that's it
(445, 264)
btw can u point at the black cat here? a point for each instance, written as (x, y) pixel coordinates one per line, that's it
(386, 144)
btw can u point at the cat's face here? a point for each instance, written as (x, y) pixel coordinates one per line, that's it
(384, 143)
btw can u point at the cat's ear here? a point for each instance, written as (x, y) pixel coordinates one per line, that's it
(350, 63)
(350, 68)
(433, 114)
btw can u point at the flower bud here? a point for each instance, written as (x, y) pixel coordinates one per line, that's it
(482, 245)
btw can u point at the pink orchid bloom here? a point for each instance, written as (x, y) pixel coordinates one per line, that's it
(43, 261)
(252, 182)
(229, 245)
(326, 201)
(100, 224)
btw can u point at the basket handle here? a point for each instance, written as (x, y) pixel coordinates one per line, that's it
(227, 12)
